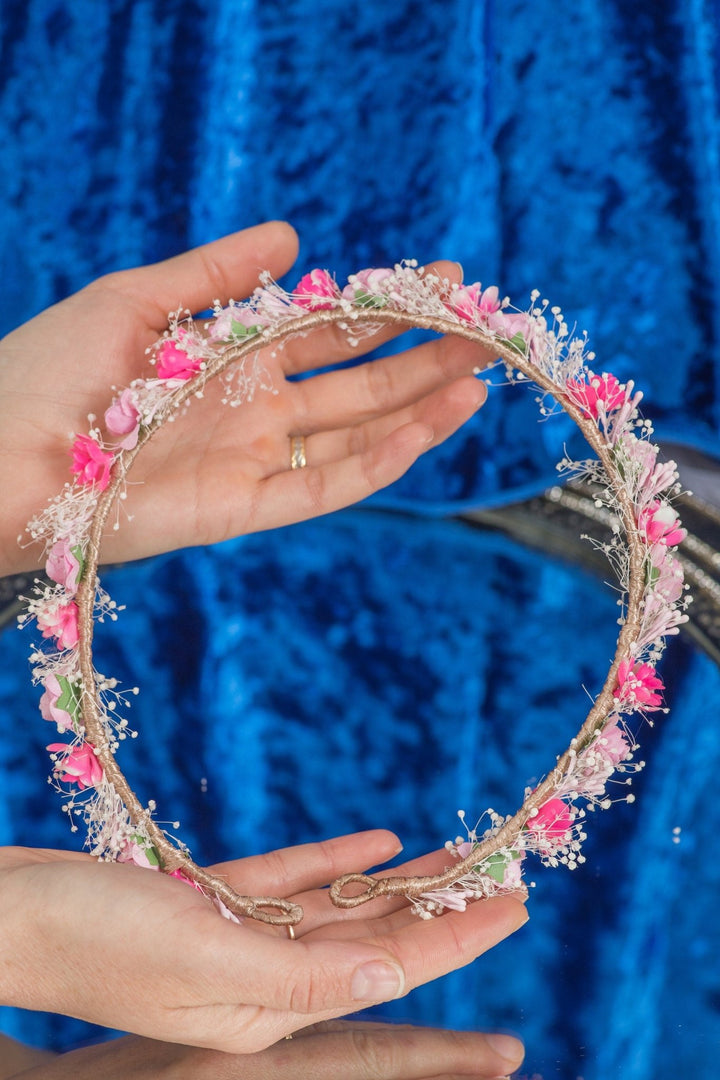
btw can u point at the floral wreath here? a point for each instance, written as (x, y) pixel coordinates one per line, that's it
(534, 346)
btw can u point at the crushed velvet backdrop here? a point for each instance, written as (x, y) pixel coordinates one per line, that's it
(387, 665)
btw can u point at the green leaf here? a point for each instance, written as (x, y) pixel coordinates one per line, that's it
(518, 343)
(239, 330)
(366, 299)
(69, 699)
(152, 855)
(495, 865)
(77, 551)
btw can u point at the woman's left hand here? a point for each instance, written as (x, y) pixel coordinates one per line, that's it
(337, 1049)
(217, 474)
(133, 949)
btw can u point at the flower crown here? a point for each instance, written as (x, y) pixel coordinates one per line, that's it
(534, 346)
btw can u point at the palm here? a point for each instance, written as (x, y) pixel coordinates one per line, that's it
(151, 955)
(221, 471)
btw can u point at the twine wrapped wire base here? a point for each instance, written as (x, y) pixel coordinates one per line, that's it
(540, 354)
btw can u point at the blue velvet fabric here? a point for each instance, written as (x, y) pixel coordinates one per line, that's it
(386, 666)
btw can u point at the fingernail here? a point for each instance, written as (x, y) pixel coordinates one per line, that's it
(377, 981)
(460, 268)
(505, 1046)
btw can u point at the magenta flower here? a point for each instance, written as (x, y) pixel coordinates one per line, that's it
(123, 418)
(90, 463)
(174, 363)
(60, 621)
(78, 765)
(659, 524)
(552, 825)
(600, 394)
(64, 565)
(638, 685)
(316, 291)
(50, 707)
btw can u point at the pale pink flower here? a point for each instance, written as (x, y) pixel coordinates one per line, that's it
(78, 765)
(452, 899)
(174, 363)
(513, 324)
(367, 285)
(60, 621)
(666, 574)
(90, 463)
(642, 452)
(220, 327)
(316, 291)
(513, 874)
(239, 321)
(599, 394)
(659, 619)
(659, 524)
(596, 764)
(475, 306)
(64, 566)
(49, 709)
(136, 853)
(552, 825)
(123, 418)
(637, 684)
(612, 744)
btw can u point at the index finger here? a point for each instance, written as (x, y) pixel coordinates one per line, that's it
(331, 344)
(225, 269)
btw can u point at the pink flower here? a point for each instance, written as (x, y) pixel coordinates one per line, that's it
(368, 287)
(612, 745)
(600, 394)
(597, 763)
(140, 854)
(666, 574)
(642, 453)
(552, 824)
(64, 565)
(659, 619)
(638, 685)
(61, 622)
(474, 305)
(91, 464)
(316, 291)
(512, 324)
(174, 363)
(659, 524)
(123, 418)
(78, 765)
(50, 708)
(238, 320)
(188, 880)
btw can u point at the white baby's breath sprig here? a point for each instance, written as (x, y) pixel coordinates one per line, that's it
(633, 489)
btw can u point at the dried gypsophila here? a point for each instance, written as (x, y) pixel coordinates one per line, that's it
(535, 346)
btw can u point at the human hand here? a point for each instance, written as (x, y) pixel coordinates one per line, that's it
(217, 474)
(351, 1050)
(125, 947)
